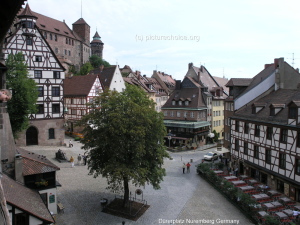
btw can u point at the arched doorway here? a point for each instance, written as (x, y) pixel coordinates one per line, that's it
(32, 136)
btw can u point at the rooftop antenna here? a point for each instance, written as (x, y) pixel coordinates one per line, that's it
(293, 60)
(81, 8)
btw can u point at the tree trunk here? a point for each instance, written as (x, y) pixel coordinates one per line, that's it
(126, 191)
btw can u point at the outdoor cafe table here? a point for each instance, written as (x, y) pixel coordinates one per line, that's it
(261, 197)
(286, 201)
(288, 212)
(273, 193)
(262, 213)
(218, 172)
(297, 207)
(243, 177)
(252, 181)
(247, 188)
(239, 183)
(281, 215)
(229, 178)
(269, 206)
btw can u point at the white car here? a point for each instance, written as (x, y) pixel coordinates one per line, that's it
(211, 156)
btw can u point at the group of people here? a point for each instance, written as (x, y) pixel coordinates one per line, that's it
(187, 166)
(79, 157)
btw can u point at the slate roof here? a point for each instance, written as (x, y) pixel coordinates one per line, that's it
(79, 85)
(210, 81)
(96, 38)
(192, 94)
(27, 12)
(35, 163)
(105, 75)
(25, 199)
(244, 82)
(279, 98)
(80, 21)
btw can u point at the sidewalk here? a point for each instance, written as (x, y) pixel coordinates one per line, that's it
(183, 197)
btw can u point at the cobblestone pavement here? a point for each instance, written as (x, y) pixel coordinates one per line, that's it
(182, 199)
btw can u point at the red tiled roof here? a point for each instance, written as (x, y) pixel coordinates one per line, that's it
(25, 199)
(35, 163)
(80, 21)
(79, 85)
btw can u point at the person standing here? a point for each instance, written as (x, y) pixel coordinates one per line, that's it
(79, 159)
(70, 143)
(188, 165)
(72, 161)
(84, 159)
(183, 167)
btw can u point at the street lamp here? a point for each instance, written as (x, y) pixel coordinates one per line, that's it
(169, 138)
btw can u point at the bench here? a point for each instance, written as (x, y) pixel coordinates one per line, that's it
(60, 208)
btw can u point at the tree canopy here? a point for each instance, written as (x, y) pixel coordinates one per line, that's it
(126, 141)
(24, 93)
(96, 61)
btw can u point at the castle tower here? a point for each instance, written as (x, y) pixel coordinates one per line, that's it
(27, 22)
(97, 45)
(83, 30)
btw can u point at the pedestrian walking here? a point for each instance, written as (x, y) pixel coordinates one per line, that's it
(79, 159)
(72, 161)
(84, 159)
(70, 143)
(188, 165)
(183, 167)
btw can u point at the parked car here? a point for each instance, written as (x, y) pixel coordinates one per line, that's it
(211, 156)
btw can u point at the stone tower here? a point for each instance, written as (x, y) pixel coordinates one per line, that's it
(97, 45)
(83, 30)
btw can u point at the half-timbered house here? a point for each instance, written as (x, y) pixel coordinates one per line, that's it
(46, 126)
(265, 137)
(78, 91)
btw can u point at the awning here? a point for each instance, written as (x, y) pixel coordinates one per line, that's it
(221, 150)
(180, 138)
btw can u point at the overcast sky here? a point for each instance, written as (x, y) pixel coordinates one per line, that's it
(232, 38)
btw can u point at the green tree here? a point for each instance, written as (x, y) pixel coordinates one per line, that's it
(85, 69)
(24, 93)
(126, 142)
(96, 61)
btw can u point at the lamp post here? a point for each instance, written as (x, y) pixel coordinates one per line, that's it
(169, 138)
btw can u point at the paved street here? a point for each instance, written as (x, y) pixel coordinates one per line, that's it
(182, 199)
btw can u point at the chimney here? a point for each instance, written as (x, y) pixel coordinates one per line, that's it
(101, 68)
(178, 85)
(154, 71)
(190, 65)
(19, 168)
(267, 65)
(297, 69)
(199, 77)
(276, 63)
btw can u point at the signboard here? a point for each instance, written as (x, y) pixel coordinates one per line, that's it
(51, 198)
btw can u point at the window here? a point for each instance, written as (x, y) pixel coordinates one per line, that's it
(253, 109)
(297, 162)
(237, 125)
(237, 145)
(66, 40)
(27, 24)
(257, 130)
(55, 108)
(280, 186)
(298, 139)
(192, 114)
(45, 35)
(165, 113)
(40, 91)
(66, 52)
(282, 160)
(283, 135)
(51, 133)
(50, 36)
(256, 151)
(21, 219)
(28, 40)
(37, 74)
(172, 113)
(55, 37)
(272, 111)
(246, 128)
(38, 58)
(55, 91)
(56, 74)
(269, 133)
(246, 148)
(56, 50)
(72, 42)
(40, 109)
(186, 102)
(293, 113)
(180, 102)
(69, 53)
(268, 155)
(178, 113)
(173, 102)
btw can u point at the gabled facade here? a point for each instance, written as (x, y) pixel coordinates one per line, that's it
(151, 86)
(265, 141)
(79, 90)
(244, 91)
(216, 87)
(48, 73)
(111, 78)
(71, 46)
(185, 114)
(166, 81)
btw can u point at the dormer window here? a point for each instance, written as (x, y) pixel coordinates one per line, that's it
(28, 24)
(173, 102)
(256, 107)
(293, 112)
(276, 108)
(180, 102)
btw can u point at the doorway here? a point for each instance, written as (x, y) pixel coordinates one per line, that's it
(32, 136)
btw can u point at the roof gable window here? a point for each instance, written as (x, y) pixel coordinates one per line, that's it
(173, 102)
(276, 108)
(256, 107)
